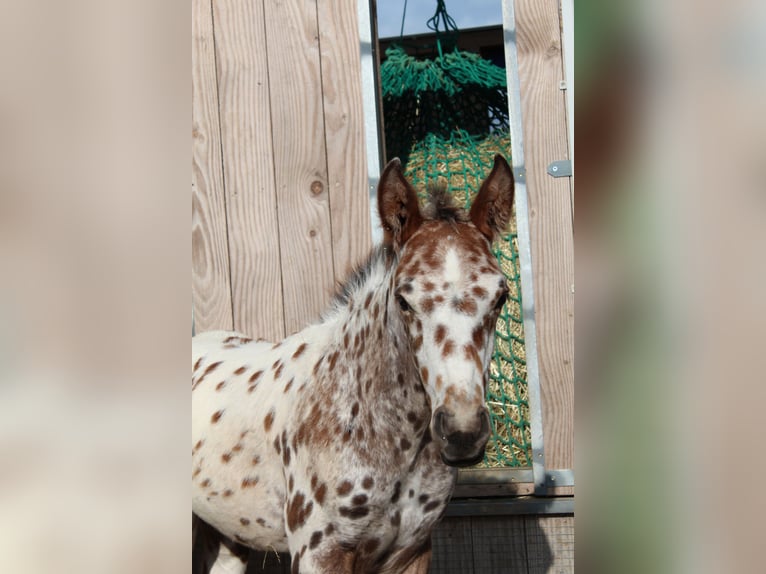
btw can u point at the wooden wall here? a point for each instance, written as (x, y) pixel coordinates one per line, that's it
(551, 211)
(280, 208)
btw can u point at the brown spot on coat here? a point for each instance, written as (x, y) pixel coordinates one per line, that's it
(226, 457)
(480, 292)
(466, 305)
(333, 359)
(318, 364)
(244, 521)
(397, 492)
(440, 333)
(299, 351)
(205, 483)
(368, 482)
(212, 367)
(344, 488)
(427, 305)
(478, 336)
(297, 512)
(371, 545)
(289, 384)
(227, 493)
(196, 365)
(471, 354)
(254, 377)
(431, 506)
(216, 416)
(424, 374)
(320, 493)
(268, 421)
(220, 385)
(354, 513)
(316, 539)
(359, 499)
(249, 481)
(240, 371)
(449, 347)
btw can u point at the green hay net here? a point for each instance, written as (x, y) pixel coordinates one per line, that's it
(446, 119)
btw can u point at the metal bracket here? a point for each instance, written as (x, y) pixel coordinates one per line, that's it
(564, 477)
(561, 168)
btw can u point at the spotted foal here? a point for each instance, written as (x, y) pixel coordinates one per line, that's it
(339, 444)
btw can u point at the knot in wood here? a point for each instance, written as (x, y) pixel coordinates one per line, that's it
(316, 187)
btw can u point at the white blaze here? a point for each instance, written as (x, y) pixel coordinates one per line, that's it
(452, 267)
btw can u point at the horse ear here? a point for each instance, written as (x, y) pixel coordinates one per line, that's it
(491, 210)
(397, 205)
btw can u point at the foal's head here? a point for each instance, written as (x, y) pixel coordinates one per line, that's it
(449, 289)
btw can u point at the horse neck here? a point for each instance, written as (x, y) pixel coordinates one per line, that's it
(371, 338)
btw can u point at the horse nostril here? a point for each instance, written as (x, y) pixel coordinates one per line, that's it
(439, 417)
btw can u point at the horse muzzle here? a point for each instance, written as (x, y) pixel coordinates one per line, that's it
(462, 442)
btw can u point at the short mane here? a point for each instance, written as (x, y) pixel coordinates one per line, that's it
(379, 257)
(439, 206)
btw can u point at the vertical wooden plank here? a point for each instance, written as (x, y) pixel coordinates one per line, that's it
(344, 132)
(452, 544)
(499, 544)
(550, 220)
(243, 82)
(211, 290)
(300, 160)
(550, 544)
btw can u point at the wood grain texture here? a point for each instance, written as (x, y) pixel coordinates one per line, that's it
(300, 160)
(211, 290)
(499, 544)
(243, 82)
(499, 489)
(344, 133)
(550, 220)
(550, 544)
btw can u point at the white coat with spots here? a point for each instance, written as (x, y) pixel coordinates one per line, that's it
(340, 443)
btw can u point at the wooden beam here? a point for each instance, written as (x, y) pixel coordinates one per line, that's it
(550, 220)
(344, 133)
(211, 289)
(300, 160)
(243, 84)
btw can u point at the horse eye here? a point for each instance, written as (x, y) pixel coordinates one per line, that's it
(403, 305)
(501, 301)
